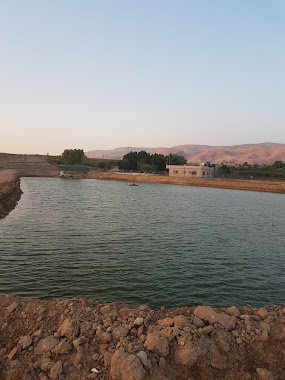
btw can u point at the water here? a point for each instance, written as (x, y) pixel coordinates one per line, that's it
(162, 245)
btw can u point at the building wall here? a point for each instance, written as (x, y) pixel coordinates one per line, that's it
(190, 171)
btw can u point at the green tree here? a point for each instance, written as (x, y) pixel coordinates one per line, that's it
(73, 156)
(144, 167)
(158, 162)
(144, 157)
(132, 160)
(175, 159)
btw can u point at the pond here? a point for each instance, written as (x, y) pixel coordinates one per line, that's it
(162, 245)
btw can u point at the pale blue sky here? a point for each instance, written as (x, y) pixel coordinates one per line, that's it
(102, 74)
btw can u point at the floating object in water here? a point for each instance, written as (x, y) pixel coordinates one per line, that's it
(133, 184)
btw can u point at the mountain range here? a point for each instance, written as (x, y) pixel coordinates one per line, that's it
(264, 153)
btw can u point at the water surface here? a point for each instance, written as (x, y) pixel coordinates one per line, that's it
(163, 245)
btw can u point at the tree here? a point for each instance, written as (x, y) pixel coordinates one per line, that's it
(143, 156)
(73, 156)
(132, 159)
(158, 162)
(176, 159)
(123, 165)
(278, 164)
(144, 167)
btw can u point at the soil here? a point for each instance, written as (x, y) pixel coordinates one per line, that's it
(83, 339)
(10, 192)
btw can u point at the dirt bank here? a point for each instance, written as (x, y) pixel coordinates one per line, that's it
(29, 165)
(83, 339)
(10, 192)
(249, 185)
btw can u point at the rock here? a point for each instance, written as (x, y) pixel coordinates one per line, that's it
(103, 336)
(15, 363)
(156, 342)
(264, 374)
(198, 322)
(181, 321)
(126, 366)
(166, 322)
(95, 357)
(63, 347)
(186, 355)
(78, 357)
(10, 309)
(143, 357)
(233, 311)
(262, 312)
(56, 370)
(166, 332)
(264, 337)
(162, 363)
(45, 345)
(217, 360)
(138, 321)
(176, 331)
(69, 328)
(265, 326)
(120, 332)
(79, 341)
(44, 363)
(12, 353)
(207, 329)
(208, 314)
(25, 342)
(107, 359)
(106, 310)
(140, 331)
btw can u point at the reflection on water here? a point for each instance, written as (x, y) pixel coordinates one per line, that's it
(155, 244)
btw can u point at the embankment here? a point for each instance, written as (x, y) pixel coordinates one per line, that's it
(10, 192)
(29, 165)
(83, 339)
(248, 185)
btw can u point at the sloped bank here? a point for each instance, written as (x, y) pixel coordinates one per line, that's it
(269, 186)
(83, 339)
(10, 191)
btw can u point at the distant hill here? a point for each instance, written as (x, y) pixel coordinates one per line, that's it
(265, 153)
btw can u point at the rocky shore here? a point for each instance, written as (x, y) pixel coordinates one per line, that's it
(10, 192)
(83, 339)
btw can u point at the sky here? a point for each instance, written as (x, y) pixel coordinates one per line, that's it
(101, 74)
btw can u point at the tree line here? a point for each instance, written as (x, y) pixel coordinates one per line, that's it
(149, 163)
(132, 161)
(245, 170)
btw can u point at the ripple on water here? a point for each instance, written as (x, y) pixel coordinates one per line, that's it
(155, 244)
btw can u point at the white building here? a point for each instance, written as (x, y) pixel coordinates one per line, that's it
(195, 171)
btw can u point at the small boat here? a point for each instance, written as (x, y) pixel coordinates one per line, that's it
(133, 184)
